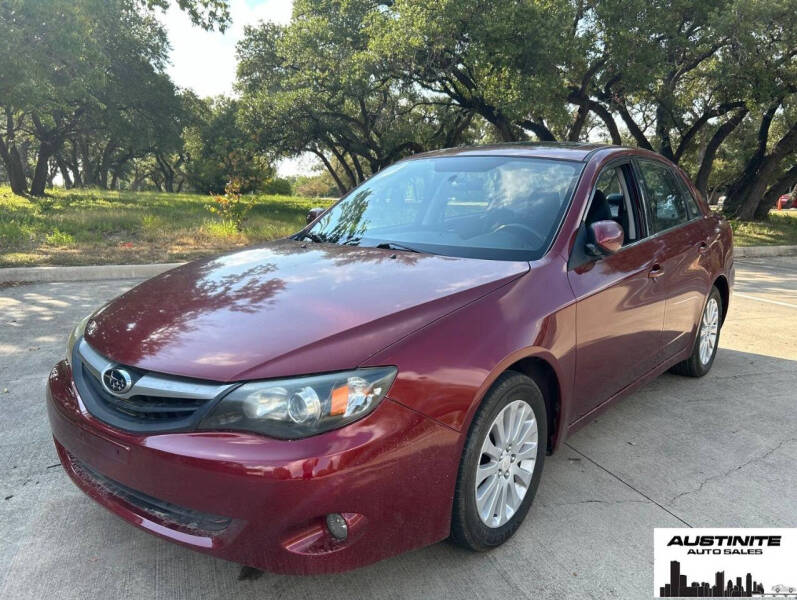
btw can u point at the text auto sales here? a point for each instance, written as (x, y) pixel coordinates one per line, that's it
(726, 544)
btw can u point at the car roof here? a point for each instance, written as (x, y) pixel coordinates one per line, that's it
(576, 151)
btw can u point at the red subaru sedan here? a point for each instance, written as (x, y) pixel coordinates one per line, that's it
(395, 373)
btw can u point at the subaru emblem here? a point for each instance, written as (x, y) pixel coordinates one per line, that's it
(116, 381)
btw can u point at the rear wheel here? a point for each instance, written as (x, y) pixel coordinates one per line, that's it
(707, 339)
(501, 463)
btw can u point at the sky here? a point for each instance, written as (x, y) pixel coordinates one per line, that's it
(205, 60)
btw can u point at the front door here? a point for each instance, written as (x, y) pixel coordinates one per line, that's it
(620, 307)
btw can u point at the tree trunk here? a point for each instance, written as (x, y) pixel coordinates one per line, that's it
(539, 129)
(330, 169)
(747, 191)
(503, 125)
(14, 168)
(782, 186)
(138, 179)
(52, 172)
(89, 176)
(39, 183)
(358, 168)
(604, 115)
(453, 136)
(633, 128)
(168, 173)
(344, 165)
(578, 123)
(12, 159)
(64, 171)
(710, 152)
(105, 164)
(74, 165)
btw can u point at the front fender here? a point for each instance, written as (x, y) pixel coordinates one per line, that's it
(447, 367)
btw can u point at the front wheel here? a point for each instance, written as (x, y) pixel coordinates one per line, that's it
(501, 463)
(707, 339)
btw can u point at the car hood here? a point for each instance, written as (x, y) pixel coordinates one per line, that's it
(286, 308)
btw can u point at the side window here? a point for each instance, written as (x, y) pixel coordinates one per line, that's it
(665, 198)
(691, 203)
(611, 200)
(609, 184)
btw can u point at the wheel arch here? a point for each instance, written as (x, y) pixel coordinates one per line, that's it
(721, 283)
(545, 376)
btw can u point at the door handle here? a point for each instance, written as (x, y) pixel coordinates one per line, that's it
(655, 271)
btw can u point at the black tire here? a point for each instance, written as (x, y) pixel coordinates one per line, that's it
(693, 366)
(467, 528)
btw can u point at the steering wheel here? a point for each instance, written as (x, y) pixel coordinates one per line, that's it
(520, 231)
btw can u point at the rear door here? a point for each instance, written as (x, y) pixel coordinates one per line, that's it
(620, 308)
(678, 229)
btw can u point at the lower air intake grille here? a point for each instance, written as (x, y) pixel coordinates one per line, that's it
(184, 518)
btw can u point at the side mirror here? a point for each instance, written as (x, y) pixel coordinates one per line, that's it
(314, 214)
(605, 238)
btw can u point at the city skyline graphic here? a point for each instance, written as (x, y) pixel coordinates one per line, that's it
(679, 587)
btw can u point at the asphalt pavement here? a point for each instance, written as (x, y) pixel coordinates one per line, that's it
(718, 451)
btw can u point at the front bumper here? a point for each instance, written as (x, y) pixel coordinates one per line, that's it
(262, 502)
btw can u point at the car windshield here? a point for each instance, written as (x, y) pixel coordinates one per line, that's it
(502, 208)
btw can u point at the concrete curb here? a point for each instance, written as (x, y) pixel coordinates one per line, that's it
(92, 273)
(764, 251)
(100, 272)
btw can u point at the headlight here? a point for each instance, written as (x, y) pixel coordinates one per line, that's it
(302, 406)
(76, 334)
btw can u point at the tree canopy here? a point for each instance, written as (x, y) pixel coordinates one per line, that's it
(359, 84)
(83, 91)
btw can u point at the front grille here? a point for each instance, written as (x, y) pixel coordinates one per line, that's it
(155, 403)
(143, 408)
(166, 512)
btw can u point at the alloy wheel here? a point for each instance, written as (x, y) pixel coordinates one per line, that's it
(709, 328)
(506, 463)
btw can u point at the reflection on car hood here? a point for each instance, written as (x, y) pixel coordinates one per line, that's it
(286, 308)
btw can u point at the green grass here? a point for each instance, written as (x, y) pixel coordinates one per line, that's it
(82, 227)
(779, 230)
(85, 227)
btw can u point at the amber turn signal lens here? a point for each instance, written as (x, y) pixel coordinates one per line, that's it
(340, 400)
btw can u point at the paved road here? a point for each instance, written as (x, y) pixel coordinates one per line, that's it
(720, 451)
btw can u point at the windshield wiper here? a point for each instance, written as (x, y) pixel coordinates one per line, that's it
(395, 246)
(311, 236)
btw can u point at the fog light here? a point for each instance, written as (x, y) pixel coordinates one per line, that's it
(337, 526)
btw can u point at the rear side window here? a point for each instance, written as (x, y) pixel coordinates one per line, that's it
(691, 203)
(666, 199)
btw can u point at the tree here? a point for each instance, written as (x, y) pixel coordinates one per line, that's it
(672, 76)
(138, 111)
(207, 14)
(502, 61)
(217, 150)
(64, 60)
(314, 86)
(766, 53)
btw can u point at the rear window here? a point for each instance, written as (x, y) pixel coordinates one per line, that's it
(665, 198)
